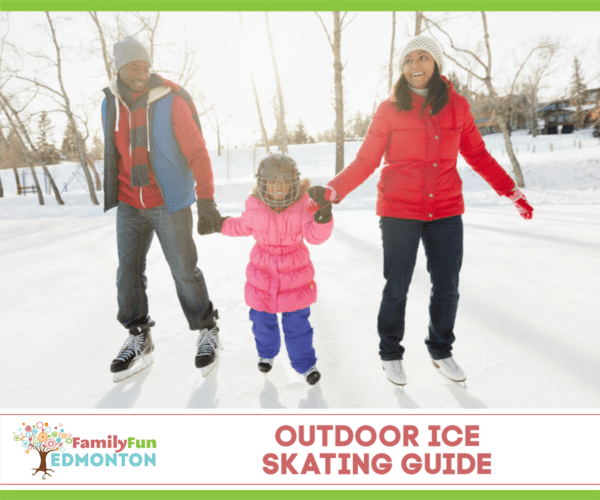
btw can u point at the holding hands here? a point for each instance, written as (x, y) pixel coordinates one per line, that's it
(209, 218)
(524, 208)
(321, 203)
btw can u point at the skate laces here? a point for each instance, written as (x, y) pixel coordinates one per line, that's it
(208, 341)
(132, 347)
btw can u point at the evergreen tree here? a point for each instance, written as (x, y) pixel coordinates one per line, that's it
(45, 130)
(577, 92)
(69, 146)
(300, 135)
(97, 147)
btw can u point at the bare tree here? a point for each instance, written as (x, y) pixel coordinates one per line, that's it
(24, 136)
(214, 122)
(6, 158)
(338, 67)
(62, 98)
(111, 33)
(281, 128)
(391, 65)
(106, 57)
(577, 94)
(263, 129)
(150, 27)
(486, 66)
(418, 22)
(23, 149)
(539, 69)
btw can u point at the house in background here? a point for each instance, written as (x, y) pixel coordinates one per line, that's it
(559, 116)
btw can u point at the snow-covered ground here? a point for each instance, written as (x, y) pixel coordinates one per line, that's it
(527, 327)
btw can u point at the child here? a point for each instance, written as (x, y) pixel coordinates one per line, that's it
(280, 275)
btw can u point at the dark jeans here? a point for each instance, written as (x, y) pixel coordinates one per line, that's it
(135, 230)
(443, 242)
(298, 337)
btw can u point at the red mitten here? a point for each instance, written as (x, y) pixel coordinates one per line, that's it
(524, 208)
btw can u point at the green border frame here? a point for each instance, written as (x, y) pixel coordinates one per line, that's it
(300, 5)
(300, 495)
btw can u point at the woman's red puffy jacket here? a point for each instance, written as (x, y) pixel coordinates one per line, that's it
(419, 179)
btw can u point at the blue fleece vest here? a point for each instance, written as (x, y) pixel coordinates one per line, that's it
(169, 165)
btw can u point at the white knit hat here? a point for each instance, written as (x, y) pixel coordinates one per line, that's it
(427, 44)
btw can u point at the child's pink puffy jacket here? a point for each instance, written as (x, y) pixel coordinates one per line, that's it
(280, 274)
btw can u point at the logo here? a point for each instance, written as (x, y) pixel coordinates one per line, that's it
(51, 442)
(43, 439)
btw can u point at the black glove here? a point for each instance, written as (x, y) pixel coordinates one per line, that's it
(319, 194)
(209, 218)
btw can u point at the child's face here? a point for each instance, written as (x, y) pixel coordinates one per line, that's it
(277, 189)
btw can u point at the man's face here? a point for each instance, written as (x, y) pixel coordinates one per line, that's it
(135, 75)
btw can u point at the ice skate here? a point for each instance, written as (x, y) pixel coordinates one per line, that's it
(265, 365)
(450, 369)
(135, 355)
(312, 376)
(207, 349)
(394, 371)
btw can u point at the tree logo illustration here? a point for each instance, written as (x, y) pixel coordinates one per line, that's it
(44, 439)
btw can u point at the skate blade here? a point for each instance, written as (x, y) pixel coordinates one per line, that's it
(205, 370)
(451, 379)
(139, 365)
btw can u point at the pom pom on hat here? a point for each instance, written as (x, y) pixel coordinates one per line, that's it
(427, 44)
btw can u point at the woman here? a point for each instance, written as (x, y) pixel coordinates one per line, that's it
(419, 131)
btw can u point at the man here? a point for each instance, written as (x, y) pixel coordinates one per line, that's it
(155, 167)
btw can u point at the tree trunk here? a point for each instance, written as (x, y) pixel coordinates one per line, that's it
(105, 56)
(218, 140)
(339, 93)
(24, 150)
(391, 66)
(501, 121)
(36, 182)
(71, 117)
(534, 113)
(263, 129)
(96, 176)
(34, 149)
(43, 467)
(1, 189)
(17, 181)
(506, 135)
(418, 21)
(281, 128)
(265, 136)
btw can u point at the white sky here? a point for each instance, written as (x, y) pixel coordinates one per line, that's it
(304, 58)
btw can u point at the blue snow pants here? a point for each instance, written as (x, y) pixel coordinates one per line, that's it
(443, 243)
(298, 336)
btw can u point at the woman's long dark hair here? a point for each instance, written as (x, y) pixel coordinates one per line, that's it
(437, 95)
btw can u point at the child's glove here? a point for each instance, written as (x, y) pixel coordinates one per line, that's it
(321, 203)
(524, 208)
(209, 218)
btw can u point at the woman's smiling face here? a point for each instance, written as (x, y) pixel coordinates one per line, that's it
(418, 67)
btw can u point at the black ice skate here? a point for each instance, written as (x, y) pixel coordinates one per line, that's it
(135, 355)
(265, 365)
(312, 376)
(207, 349)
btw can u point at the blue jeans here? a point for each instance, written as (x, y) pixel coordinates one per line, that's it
(298, 337)
(135, 230)
(443, 243)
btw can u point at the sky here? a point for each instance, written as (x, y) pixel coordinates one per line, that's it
(227, 55)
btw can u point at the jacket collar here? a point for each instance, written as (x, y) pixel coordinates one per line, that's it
(153, 94)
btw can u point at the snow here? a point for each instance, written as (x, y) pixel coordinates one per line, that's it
(527, 326)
